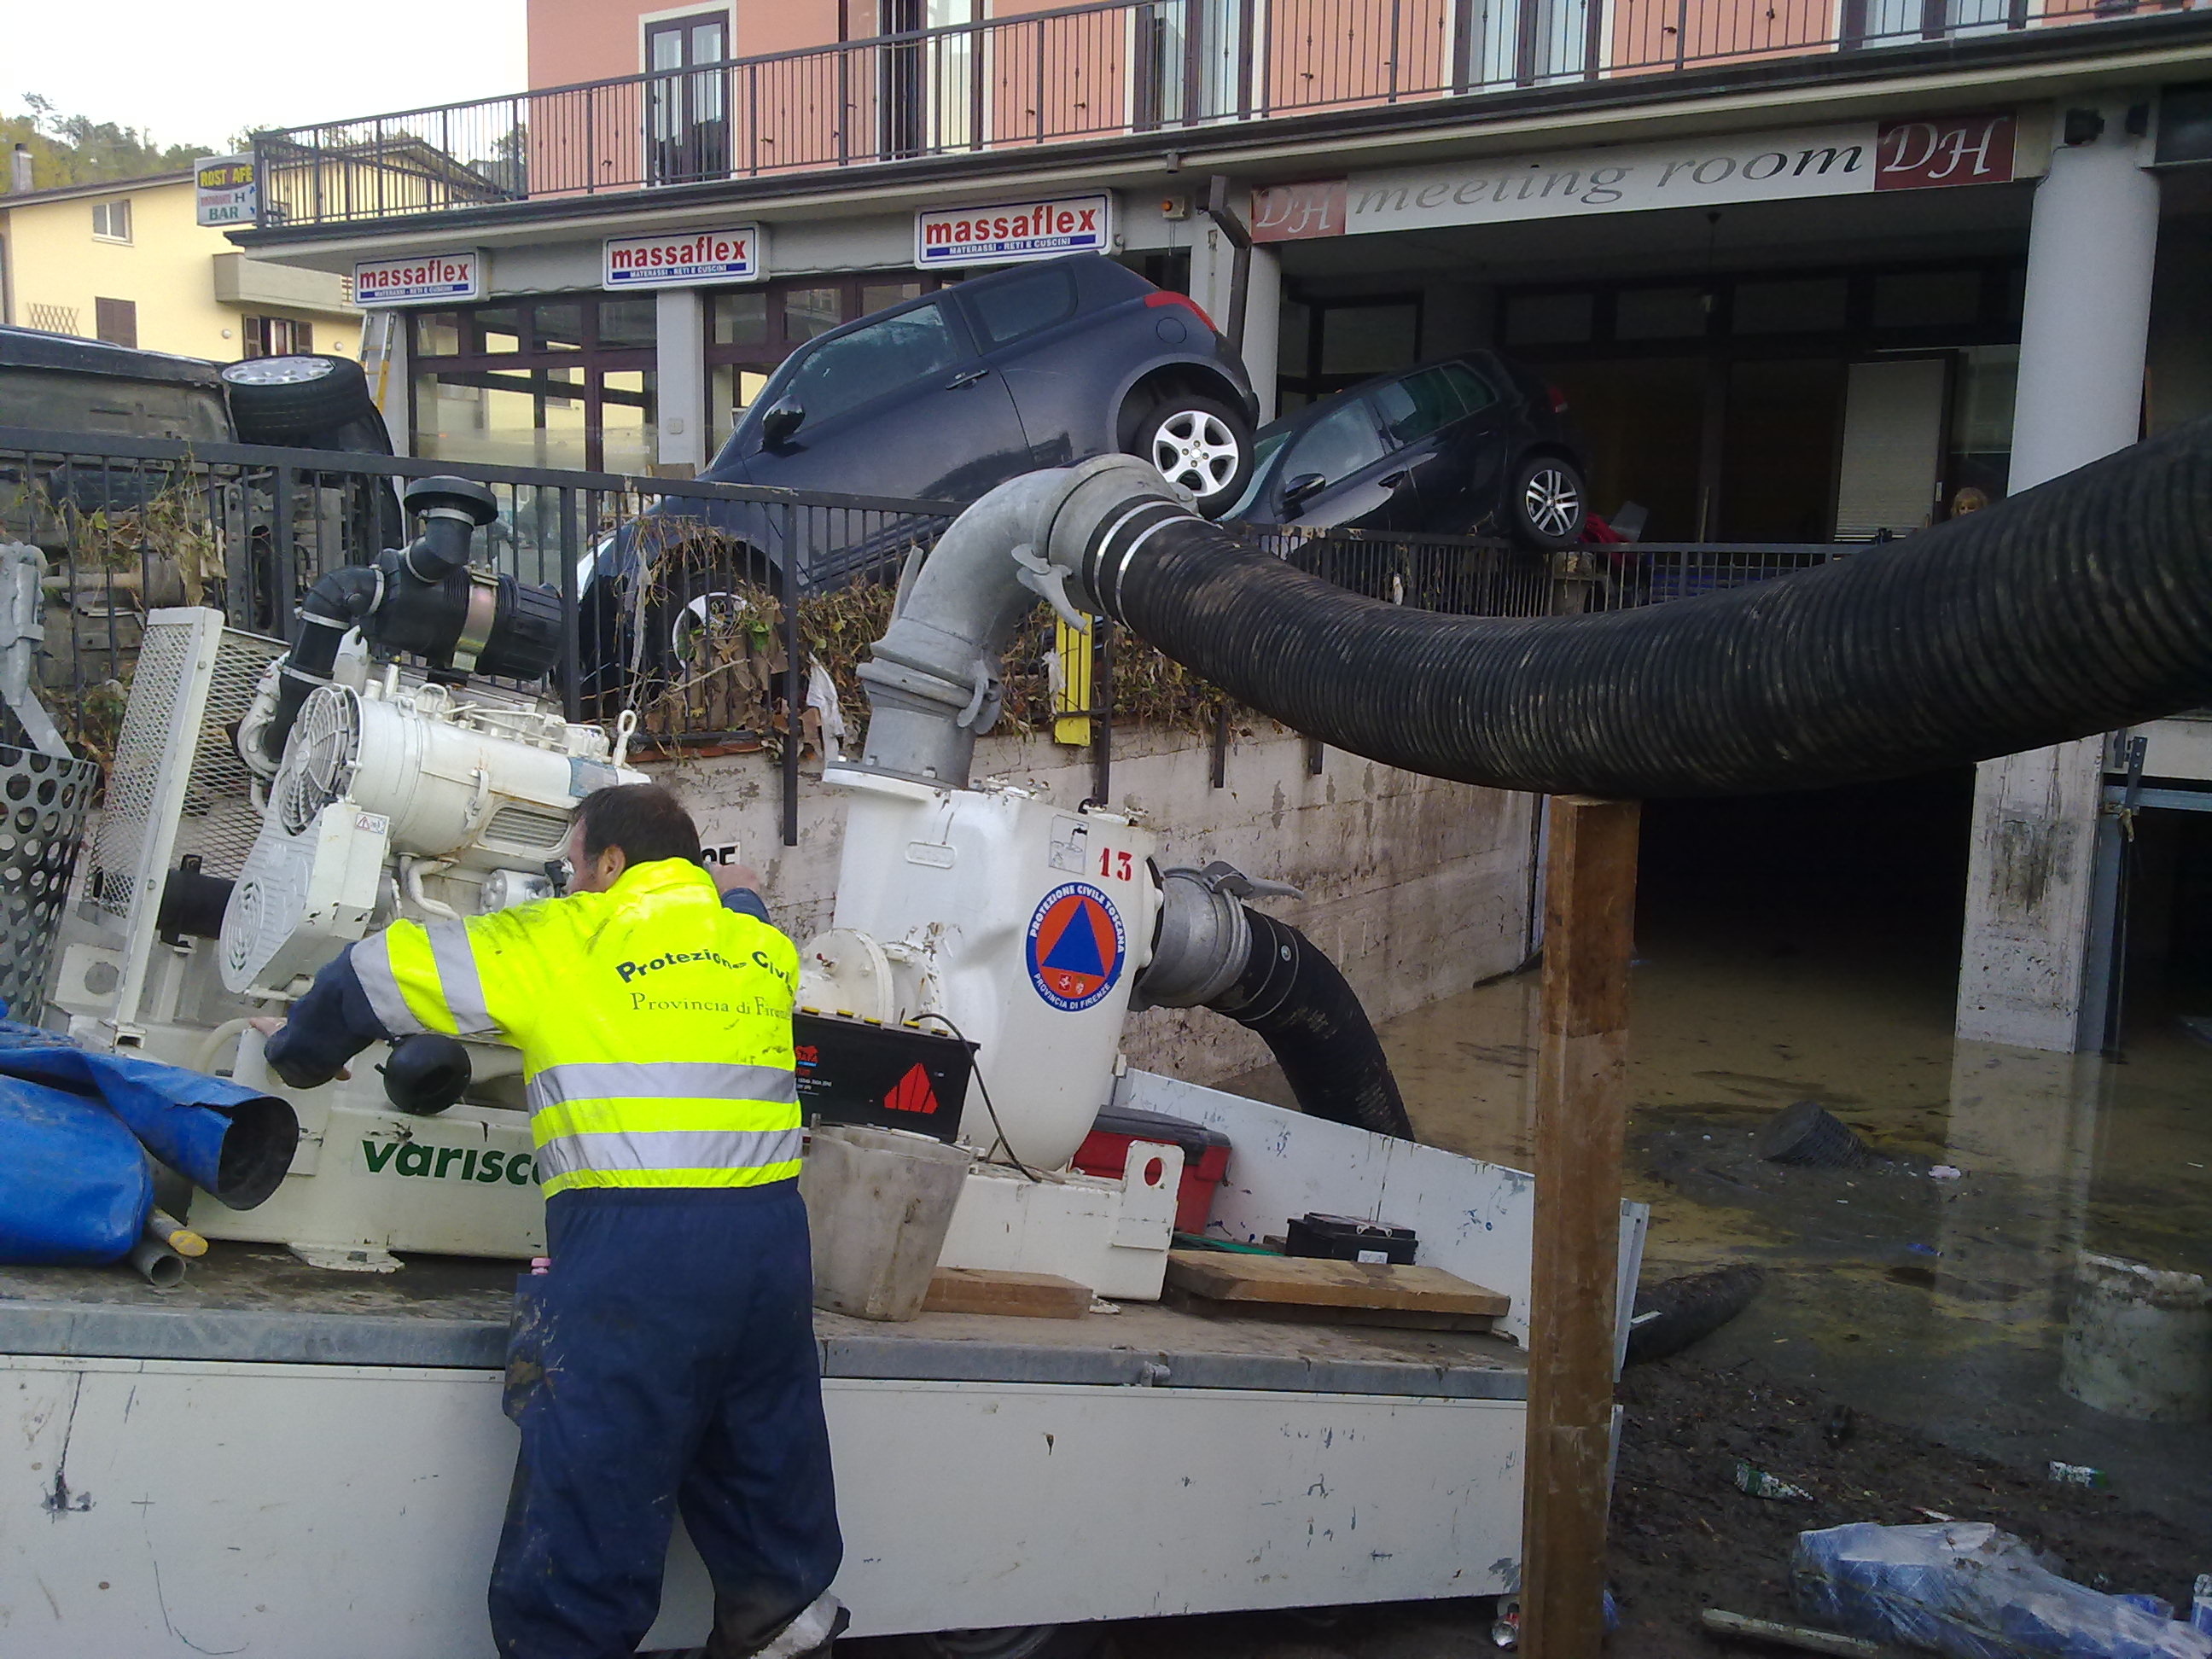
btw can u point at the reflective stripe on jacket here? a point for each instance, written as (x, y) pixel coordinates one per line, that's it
(654, 1025)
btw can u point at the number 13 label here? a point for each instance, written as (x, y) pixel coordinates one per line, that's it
(1115, 867)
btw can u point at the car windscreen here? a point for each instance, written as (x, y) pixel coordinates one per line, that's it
(1263, 451)
(844, 371)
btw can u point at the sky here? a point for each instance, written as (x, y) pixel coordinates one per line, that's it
(196, 73)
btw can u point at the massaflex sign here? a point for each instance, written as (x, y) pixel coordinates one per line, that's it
(1013, 230)
(417, 278)
(728, 255)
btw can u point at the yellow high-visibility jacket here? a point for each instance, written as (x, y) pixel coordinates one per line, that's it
(654, 1025)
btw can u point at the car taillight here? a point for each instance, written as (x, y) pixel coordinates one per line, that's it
(1558, 401)
(1166, 297)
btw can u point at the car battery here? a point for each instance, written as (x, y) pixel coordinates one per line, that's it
(887, 1076)
(1348, 1238)
(1105, 1151)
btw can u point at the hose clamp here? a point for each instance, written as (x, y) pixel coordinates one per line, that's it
(477, 624)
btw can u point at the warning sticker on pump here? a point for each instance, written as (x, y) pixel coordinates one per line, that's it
(1076, 946)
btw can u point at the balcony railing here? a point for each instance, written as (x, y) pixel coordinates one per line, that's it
(1111, 69)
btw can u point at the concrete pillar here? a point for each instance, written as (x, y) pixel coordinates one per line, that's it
(1213, 281)
(2091, 247)
(1263, 326)
(384, 360)
(680, 367)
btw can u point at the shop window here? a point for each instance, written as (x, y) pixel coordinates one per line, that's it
(630, 323)
(808, 312)
(739, 319)
(850, 370)
(558, 325)
(1927, 299)
(1659, 313)
(116, 321)
(1014, 311)
(111, 221)
(1549, 319)
(882, 296)
(438, 334)
(277, 337)
(1815, 306)
(1337, 445)
(1367, 337)
(565, 382)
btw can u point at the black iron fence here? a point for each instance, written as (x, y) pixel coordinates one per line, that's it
(727, 618)
(645, 567)
(1110, 68)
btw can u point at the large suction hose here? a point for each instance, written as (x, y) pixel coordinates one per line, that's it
(2083, 605)
(1213, 951)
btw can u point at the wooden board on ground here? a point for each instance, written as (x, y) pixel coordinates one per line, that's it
(1020, 1296)
(1349, 1293)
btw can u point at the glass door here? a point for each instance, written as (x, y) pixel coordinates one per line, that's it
(687, 106)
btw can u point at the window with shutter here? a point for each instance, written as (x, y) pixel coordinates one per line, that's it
(116, 321)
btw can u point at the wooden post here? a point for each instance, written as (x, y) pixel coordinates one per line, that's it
(1581, 1089)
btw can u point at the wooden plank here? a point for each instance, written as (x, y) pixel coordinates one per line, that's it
(1293, 1313)
(1018, 1295)
(1310, 1281)
(1582, 1096)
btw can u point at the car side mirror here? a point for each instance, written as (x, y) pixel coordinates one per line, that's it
(1301, 489)
(783, 418)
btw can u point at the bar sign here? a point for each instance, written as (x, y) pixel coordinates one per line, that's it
(418, 277)
(729, 255)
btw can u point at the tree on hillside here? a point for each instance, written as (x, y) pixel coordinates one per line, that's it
(74, 149)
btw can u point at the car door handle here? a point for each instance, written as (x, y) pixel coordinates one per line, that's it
(969, 379)
(1396, 480)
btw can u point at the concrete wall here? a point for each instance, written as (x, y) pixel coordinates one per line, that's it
(1415, 888)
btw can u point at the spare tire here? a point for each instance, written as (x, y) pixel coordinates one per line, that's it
(280, 400)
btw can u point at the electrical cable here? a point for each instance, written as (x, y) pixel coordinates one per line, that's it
(998, 1127)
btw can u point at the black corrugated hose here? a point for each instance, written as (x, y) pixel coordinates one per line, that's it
(1295, 999)
(2082, 606)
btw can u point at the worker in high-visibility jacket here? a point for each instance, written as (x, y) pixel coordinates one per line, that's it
(665, 1360)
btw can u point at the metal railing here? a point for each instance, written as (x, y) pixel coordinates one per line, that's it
(1109, 69)
(1625, 576)
(128, 526)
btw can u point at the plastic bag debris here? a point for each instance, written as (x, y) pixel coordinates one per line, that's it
(1759, 1483)
(1967, 1590)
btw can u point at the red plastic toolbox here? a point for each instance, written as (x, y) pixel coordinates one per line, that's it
(1105, 1151)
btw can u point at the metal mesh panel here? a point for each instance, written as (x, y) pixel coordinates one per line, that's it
(43, 802)
(164, 670)
(219, 824)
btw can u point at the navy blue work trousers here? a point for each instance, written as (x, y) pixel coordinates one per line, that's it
(666, 1363)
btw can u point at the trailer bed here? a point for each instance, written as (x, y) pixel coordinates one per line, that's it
(257, 1305)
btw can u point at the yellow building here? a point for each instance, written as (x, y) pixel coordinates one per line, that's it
(128, 263)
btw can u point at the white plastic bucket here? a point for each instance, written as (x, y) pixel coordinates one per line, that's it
(878, 1204)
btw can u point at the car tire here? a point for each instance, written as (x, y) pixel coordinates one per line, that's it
(1547, 503)
(698, 587)
(278, 400)
(1021, 1642)
(1200, 442)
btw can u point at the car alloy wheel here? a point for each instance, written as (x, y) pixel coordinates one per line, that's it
(1552, 501)
(1196, 448)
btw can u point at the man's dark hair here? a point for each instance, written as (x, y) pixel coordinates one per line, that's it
(643, 819)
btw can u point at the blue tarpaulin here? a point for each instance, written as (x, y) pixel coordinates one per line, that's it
(235, 1142)
(75, 1187)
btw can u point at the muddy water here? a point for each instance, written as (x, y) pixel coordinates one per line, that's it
(1942, 1304)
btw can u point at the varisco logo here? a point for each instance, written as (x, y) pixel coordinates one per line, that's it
(412, 1158)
